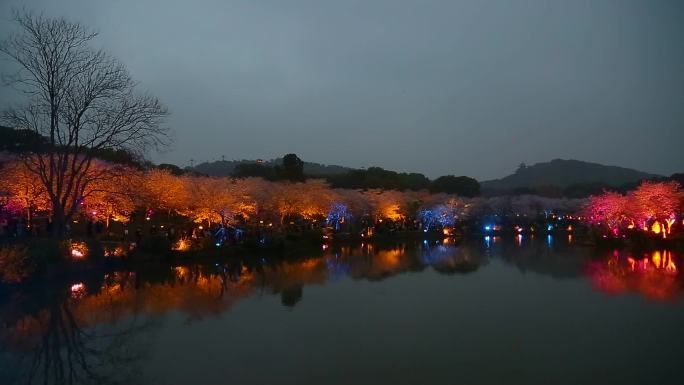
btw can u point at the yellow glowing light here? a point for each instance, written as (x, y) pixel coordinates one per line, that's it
(392, 212)
(183, 244)
(655, 228)
(669, 223)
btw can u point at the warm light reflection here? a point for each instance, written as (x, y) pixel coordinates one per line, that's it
(78, 290)
(390, 258)
(655, 275)
(79, 250)
(182, 272)
(118, 251)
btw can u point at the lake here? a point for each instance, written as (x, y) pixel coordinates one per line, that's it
(490, 311)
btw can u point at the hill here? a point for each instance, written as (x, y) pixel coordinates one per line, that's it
(563, 173)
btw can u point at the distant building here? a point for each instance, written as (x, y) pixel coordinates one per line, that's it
(260, 161)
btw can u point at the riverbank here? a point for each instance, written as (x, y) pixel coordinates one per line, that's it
(48, 259)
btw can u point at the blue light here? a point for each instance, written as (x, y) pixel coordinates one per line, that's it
(338, 214)
(549, 228)
(488, 227)
(436, 216)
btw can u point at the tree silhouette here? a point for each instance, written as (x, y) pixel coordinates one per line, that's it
(82, 101)
(293, 168)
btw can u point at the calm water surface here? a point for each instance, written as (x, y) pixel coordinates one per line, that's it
(492, 312)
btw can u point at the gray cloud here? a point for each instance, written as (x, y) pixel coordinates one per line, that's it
(441, 87)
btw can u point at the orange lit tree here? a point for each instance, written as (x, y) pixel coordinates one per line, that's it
(25, 189)
(81, 100)
(163, 191)
(216, 200)
(112, 198)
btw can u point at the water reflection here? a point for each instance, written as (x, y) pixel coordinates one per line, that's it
(94, 329)
(653, 274)
(79, 338)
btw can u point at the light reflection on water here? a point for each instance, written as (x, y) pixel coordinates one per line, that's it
(94, 328)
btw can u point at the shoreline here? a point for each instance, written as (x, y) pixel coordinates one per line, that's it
(63, 268)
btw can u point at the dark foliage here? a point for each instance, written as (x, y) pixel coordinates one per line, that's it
(244, 170)
(678, 177)
(292, 169)
(21, 141)
(376, 177)
(459, 185)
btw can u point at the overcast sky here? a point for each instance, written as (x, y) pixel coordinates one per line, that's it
(433, 86)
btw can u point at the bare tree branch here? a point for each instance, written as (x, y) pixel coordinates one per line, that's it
(82, 100)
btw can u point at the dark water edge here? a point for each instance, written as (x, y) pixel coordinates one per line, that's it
(500, 310)
(59, 268)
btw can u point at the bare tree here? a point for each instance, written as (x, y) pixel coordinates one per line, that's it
(83, 101)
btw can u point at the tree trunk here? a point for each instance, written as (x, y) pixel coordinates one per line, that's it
(59, 222)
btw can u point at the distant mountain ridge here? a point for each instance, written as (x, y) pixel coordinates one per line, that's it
(563, 173)
(226, 167)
